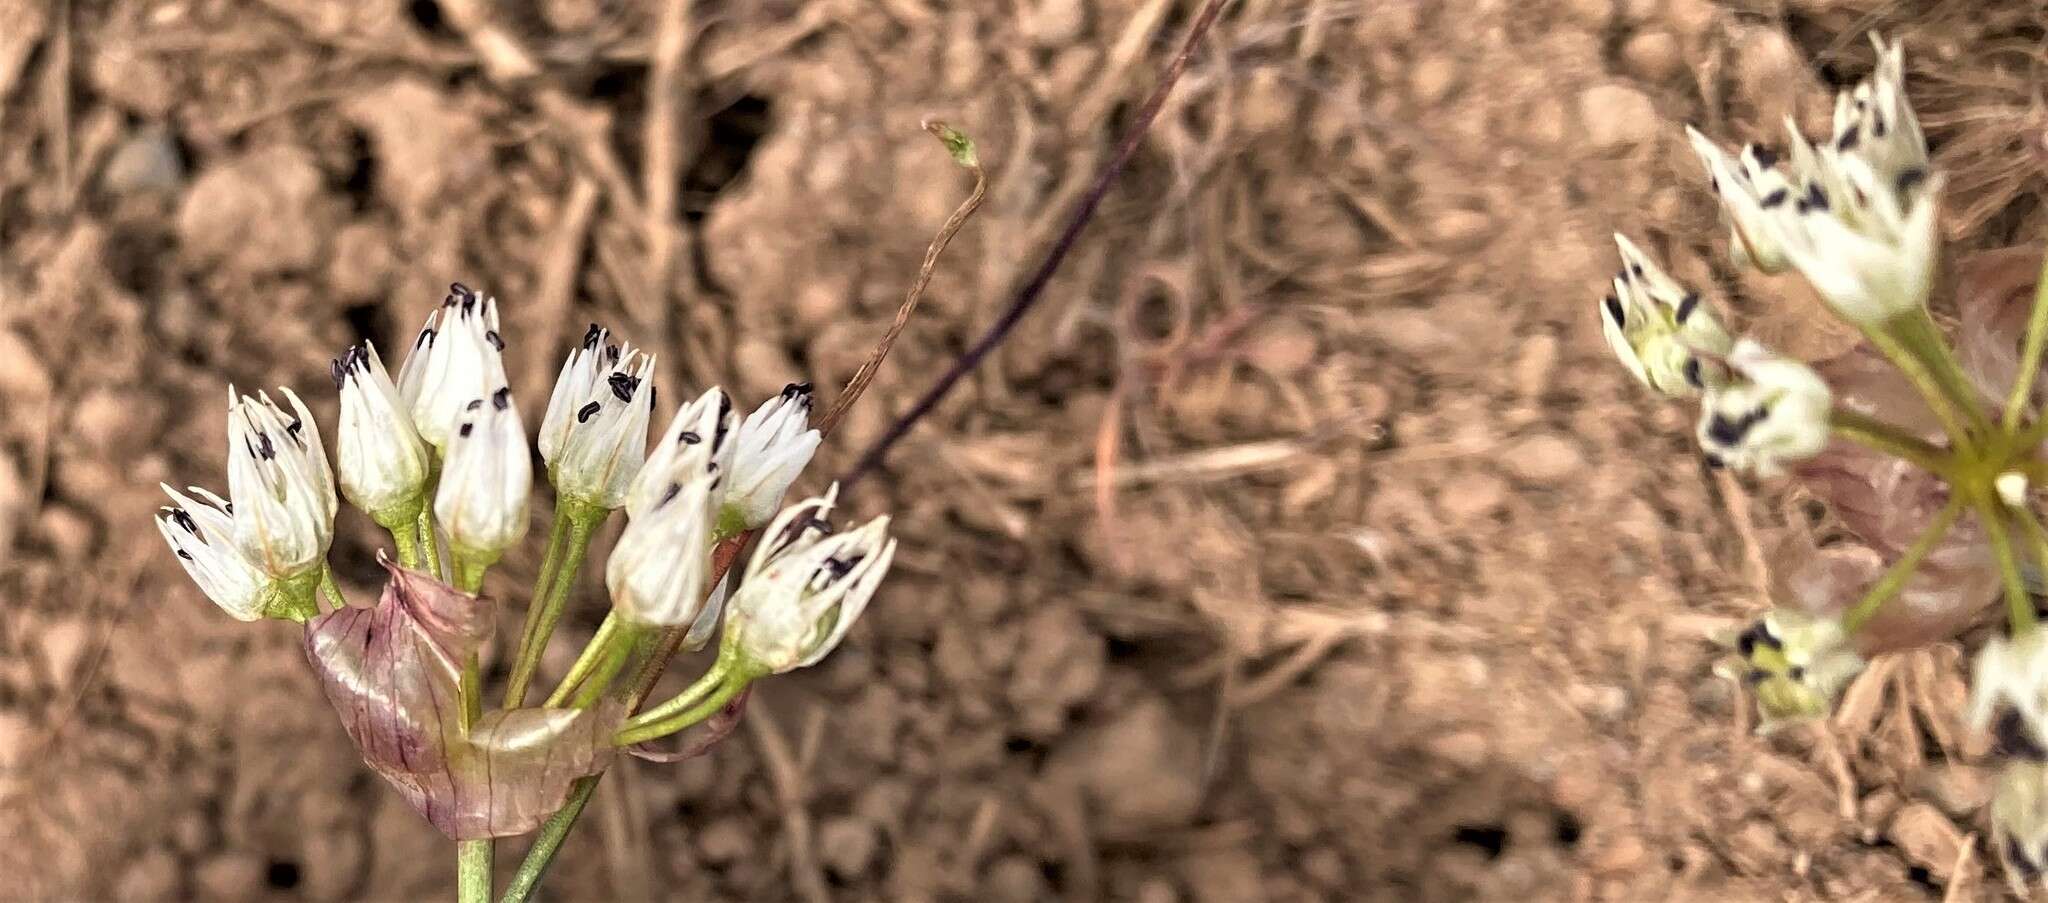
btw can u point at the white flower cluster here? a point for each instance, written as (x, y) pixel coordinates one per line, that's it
(1855, 215)
(444, 445)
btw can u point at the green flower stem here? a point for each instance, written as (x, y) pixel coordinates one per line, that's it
(2030, 355)
(1892, 440)
(473, 871)
(1922, 336)
(547, 842)
(1895, 577)
(546, 611)
(617, 651)
(597, 657)
(641, 729)
(407, 536)
(710, 681)
(2019, 604)
(428, 547)
(2039, 536)
(1915, 361)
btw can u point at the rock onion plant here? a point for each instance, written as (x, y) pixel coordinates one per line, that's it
(1927, 448)
(440, 458)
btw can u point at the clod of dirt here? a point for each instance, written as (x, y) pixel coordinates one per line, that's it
(1652, 56)
(1928, 838)
(1546, 459)
(152, 876)
(1140, 769)
(147, 161)
(424, 143)
(1229, 875)
(1058, 668)
(1776, 77)
(230, 876)
(847, 846)
(1017, 879)
(254, 214)
(1617, 117)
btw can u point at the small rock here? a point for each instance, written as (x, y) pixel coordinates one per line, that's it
(1229, 875)
(1431, 78)
(63, 642)
(1960, 790)
(724, 841)
(23, 377)
(274, 187)
(1141, 770)
(1055, 23)
(1283, 347)
(151, 876)
(1459, 229)
(231, 876)
(1157, 890)
(1652, 56)
(1017, 879)
(1617, 117)
(1622, 854)
(1464, 749)
(847, 846)
(1472, 495)
(68, 532)
(363, 261)
(1545, 458)
(1928, 838)
(1534, 363)
(147, 161)
(18, 737)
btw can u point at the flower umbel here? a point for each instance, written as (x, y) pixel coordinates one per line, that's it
(1660, 328)
(1773, 410)
(1798, 664)
(384, 463)
(772, 447)
(805, 587)
(594, 436)
(486, 480)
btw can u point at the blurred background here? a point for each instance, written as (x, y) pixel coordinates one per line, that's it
(1306, 544)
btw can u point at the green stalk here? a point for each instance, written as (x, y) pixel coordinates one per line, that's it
(1892, 440)
(641, 729)
(546, 611)
(407, 536)
(1895, 577)
(2040, 537)
(547, 842)
(1925, 338)
(1888, 338)
(688, 697)
(2030, 355)
(587, 663)
(428, 547)
(473, 871)
(2019, 604)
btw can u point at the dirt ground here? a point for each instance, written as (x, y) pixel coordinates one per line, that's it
(1305, 545)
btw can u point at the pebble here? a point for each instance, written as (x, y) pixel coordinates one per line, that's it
(278, 186)
(847, 845)
(1142, 769)
(63, 643)
(1534, 363)
(231, 876)
(1928, 838)
(725, 840)
(1431, 78)
(69, 532)
(151, 876)
(1652, 56)
(1472, 495)
(1960, 790)
(1545, 459)
(1017, 879)
(146, 161)
(1617, 117)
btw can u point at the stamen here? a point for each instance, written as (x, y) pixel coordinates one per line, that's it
(1687, 305)
(497, 341)
(588, 411)
(593, 336)
(689, 438)
(1774, 198)
(1615, 312)
(502, 398)
(466, 429)
(623, 386)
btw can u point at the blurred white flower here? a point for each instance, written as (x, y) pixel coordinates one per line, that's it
(1773, 410)
(281, 485)
(202, 535)
(805, 587)
(457, 358)
(698, 440)
(1856, 215)
(772, 447)
(1659, 327)
(2009, 694)
(658, 570)
(594, 436)
(486, 479)
(383, 462)
(1797, 664)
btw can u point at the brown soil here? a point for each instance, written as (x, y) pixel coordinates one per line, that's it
(1306, 545)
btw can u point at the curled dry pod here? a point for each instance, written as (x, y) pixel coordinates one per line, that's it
(394, 672)
(1994, 295)
(1952, 591)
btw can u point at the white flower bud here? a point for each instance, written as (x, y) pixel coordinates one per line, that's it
(202, 535)
(2019, 824)
(281, 484)
(383, 462)
(457, 358)
(805, 587)
(486, 479)
(2009, 694)
(698, 440)
(1775, 410)
(771, 448)
(658, 570)
(594, 436)
(1658, 327)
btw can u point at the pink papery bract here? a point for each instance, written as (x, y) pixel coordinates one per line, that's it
(394, 673)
